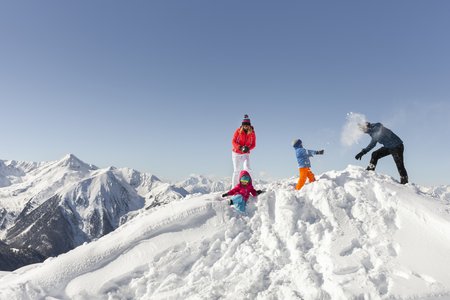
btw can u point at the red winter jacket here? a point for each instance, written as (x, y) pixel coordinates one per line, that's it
(244, 190)
(242, 138)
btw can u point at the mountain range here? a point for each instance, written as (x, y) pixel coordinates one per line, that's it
(49, 208)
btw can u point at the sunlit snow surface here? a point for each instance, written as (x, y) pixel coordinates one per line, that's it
(351, 234)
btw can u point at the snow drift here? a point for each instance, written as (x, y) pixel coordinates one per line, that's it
(350, 235)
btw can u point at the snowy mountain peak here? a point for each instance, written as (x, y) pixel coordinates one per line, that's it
(203, 185)
(70, 156)
(12, 171)
(196, 178)
(72, 162)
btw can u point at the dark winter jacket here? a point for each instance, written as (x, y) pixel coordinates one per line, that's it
(382, 135)
(244, 190)
(303, 156)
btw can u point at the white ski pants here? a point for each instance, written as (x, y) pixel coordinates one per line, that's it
(240, 162)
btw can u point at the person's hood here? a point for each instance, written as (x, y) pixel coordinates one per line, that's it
(297, 143)
(243, 173)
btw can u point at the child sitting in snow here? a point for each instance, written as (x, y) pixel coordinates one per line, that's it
(242, 191)
(304, 165)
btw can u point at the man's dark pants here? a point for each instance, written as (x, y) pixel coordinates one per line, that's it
(397, 154)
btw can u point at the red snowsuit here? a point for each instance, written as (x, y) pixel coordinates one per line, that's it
(244, 190)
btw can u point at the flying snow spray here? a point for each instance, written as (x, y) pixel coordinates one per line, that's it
(351, 132)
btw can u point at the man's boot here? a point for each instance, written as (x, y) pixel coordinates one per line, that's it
(370, 167)
(404, 179)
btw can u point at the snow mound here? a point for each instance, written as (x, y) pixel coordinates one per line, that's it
(350, 235)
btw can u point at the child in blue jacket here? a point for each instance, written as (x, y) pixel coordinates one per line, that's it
(304, 164)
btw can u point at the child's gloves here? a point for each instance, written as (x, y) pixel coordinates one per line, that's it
(244, 149)
(224, 195)
(320, 151)
(259, 192)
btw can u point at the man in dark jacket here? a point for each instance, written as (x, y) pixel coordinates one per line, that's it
(392, 145)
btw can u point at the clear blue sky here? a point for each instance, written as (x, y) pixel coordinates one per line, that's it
(160, 86)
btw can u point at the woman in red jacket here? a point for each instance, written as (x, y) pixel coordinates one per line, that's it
(244, 140)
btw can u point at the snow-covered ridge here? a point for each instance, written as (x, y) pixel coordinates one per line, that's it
(30, 184)
(52, 207)
(203, 185)
(12, 171)
(350, 235)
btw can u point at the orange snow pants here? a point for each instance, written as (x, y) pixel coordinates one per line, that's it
(304, 173)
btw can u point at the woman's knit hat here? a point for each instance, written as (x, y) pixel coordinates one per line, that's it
(246, 120)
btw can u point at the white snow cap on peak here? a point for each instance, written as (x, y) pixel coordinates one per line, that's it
(351, 133)
(70, 157)
(73, 162)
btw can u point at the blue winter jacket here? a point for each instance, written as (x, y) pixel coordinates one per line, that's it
(303, 156)
(382, 135)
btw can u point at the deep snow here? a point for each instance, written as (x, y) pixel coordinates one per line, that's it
(352, 234)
